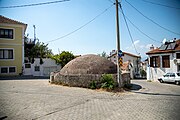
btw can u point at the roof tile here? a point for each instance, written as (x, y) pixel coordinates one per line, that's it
(158, 51)
(10, 21)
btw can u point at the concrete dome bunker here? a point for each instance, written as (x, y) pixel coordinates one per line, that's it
(89, 64)
(81, 71)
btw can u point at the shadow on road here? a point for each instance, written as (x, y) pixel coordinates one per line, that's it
(136, 87)
(133, 87)
(157, 94)
(2, 118)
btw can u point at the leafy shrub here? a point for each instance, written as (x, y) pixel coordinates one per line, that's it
(107, 82)
(93, 85)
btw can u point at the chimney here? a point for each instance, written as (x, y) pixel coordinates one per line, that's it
(152, 47)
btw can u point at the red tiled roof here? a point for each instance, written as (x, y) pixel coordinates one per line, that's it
(10, 21)
(158, 51)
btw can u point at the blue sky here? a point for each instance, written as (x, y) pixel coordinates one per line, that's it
(56, 20)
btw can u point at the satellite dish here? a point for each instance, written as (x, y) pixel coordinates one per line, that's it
(164, 41)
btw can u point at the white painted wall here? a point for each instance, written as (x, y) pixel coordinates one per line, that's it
(133, 61)
(155, 73)
(46, 68)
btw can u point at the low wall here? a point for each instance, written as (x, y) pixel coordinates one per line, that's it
(83, 80)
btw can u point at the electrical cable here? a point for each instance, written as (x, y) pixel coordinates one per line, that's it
(140, 29)
(160, 4)
(128, 29)
(81, 26)
(151, 19)
(35, 4)
(111, 1)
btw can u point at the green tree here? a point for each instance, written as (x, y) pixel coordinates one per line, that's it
(103, 54)
(63, 58)
(39, 50)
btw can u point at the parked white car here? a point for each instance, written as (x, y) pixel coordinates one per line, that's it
(170, 77)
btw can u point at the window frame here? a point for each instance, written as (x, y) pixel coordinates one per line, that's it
(27, 65)
(9, 31)
(166, 61)
(8, 69)
(12, 67)
(4, 56)
(36, 68)
(4, 68)
(155, 61)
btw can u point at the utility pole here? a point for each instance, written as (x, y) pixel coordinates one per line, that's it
(34, 33)
(119, 77)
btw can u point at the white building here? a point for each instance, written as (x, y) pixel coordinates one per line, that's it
(36, 69)
(163, 60)
(129, 60)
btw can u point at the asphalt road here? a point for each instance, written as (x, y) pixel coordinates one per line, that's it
(39, 100)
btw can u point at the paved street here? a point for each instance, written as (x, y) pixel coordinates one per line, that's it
(39, 100)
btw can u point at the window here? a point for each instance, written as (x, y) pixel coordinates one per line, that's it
(166, 75)
(36, 68)
(178, 55)
(28, 65)
(155, 61)
(172, 75)
(4, 70)
(12, 69)
(6, 53)
(165, 61)
(8, 70)
(178, 74)
(6, 33)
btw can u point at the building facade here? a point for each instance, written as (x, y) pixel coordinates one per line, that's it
(36, 69)
(131, 62)
(164, 59)
(11, 46)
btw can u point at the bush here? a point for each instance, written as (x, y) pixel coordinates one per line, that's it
(93, 85)
(107, 81)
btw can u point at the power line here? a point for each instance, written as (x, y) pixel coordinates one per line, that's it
(140, 29)
(160, 4)
(111, 1)
(81, 26)
(151, 19)
(35, 4)
(128, 29)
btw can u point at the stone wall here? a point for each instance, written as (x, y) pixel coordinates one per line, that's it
(83, 80)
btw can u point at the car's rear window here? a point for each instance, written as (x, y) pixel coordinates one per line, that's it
(178, 74)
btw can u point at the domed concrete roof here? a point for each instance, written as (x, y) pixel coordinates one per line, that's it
(89, 64)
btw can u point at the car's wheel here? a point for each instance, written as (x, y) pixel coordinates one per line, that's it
(161, 81)
(177, 82)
